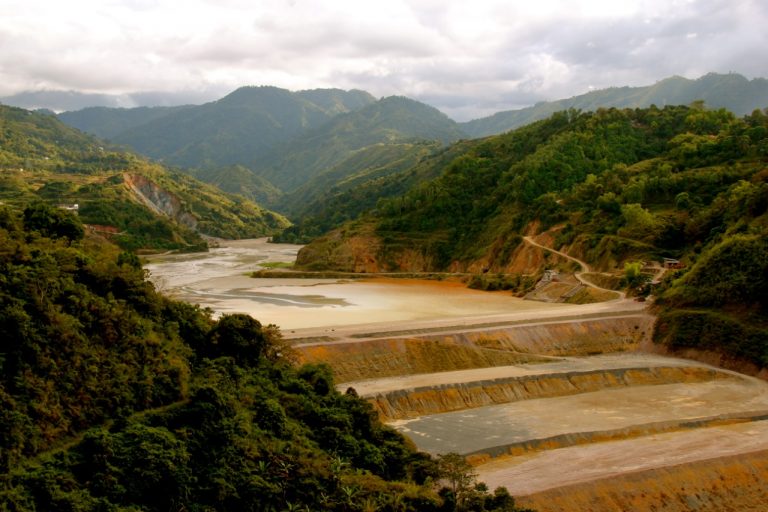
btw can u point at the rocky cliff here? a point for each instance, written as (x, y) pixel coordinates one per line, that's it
(158, 199)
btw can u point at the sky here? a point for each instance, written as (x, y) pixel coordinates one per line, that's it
(467, 58)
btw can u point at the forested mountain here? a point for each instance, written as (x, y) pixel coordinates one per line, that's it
(139, 204)
(732, 92)
(612, 186)
(341, 142)
(340, 201)
(320, 156)
(113, 397)
(236, 179)
(70, 101)
(240, 128)
(108, 123)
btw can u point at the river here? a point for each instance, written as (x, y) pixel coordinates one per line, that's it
(219, 279)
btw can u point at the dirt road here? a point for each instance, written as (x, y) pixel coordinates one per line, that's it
(585, 268)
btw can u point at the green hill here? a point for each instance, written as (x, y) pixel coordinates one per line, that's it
(261, 142)
(323, 205)
(237, 129)
(236, 179)
(393, 120)
(611, 187)
(732, 92)
(139, 204)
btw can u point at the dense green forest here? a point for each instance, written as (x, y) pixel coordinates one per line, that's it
(611, 186)
(144, 205)
(240, 128)
(294, 152)
(114, 397)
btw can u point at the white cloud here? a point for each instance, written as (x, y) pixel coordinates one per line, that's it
(471, 56)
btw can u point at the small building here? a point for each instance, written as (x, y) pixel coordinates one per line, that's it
(550, 275)
(672, 263)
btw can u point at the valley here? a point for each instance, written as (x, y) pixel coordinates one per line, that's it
(526, 301)
(543, 398)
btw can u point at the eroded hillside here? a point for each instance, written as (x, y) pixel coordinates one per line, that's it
(139, 204)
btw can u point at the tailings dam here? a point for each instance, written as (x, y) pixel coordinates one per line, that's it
(557, 402)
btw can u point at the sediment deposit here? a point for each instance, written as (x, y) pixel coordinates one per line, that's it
(724, 484)
(412, 403)
(476, 348)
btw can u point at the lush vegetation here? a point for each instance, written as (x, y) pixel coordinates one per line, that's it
(41, 158)
(237, 179)
(720, 303)
(355, 185)
(393, 120)
(240, 128)
(107, 123)
(117, 398)
(613, 187)
(305, 154)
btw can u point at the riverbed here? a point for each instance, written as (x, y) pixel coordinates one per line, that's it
(220, 280)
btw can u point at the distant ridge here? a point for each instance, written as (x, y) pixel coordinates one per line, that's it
(240, 128)
(63, 101)
(731, 91)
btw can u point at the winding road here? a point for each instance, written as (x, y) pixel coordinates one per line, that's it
(585, 268)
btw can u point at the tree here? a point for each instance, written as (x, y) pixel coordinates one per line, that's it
(52, 222)
(239, 336)
(458, 474)
(633, 275)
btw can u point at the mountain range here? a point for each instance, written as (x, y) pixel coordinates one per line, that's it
(306, 153)
(731, 91)
(290, 150)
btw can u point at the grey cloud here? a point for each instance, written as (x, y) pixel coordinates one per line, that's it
(418, 49)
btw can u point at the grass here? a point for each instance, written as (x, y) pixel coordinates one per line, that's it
(276, 264)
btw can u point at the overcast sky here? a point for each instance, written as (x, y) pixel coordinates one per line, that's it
(467, 57)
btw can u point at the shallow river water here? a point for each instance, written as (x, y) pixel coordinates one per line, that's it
(219, 280)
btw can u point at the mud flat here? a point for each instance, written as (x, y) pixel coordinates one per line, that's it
(498, 429)
(220, 280)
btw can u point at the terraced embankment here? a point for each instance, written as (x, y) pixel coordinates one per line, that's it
(713, 469)
(362, 355)
(562, 407)
(413, 403)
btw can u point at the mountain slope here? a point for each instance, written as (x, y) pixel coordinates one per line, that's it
(323, 205)
(612, 188)
(140, 204)
(391, 120)
(113, 397)
(236, 179)
(732, 91)
(237, 129)
(107, 123)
